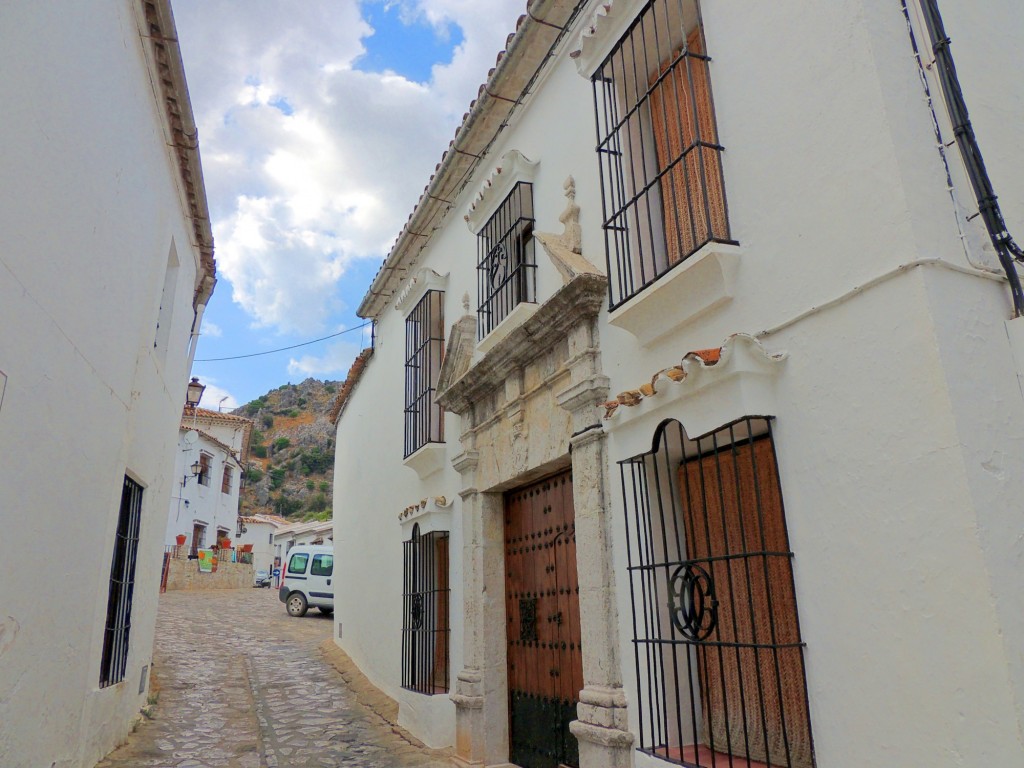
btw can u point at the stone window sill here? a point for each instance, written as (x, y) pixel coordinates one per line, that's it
(699, 284)
(427, 459)
(519, 315)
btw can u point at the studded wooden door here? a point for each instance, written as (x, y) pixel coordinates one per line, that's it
(545, 666)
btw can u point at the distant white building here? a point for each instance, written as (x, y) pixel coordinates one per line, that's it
(287, 536)
(213, 449)
(693, 429)
(259, 530)
(106, 267)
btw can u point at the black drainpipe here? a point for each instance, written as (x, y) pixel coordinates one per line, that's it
(988, 206)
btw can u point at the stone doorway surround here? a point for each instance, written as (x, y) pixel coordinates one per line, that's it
(528, 409)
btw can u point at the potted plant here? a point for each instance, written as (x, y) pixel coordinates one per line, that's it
(180, 538)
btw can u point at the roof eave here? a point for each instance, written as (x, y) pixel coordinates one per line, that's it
(526, 52)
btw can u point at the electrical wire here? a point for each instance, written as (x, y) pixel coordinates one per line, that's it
(282, 349)
(988, 207)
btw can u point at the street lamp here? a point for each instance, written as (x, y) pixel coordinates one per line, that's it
(196, 469)
(194, 393)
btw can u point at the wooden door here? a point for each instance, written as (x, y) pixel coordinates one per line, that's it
(545, 666)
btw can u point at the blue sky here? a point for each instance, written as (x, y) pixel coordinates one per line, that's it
(319, 125)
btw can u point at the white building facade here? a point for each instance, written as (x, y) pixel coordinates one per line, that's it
(258, 530)
(707, 441)
(106, 266)
(204, 508)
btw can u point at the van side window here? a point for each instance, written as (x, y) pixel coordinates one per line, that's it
(323, 565)
(298, 563)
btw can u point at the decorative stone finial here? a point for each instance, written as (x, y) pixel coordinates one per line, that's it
(465, 302)
(566, 249)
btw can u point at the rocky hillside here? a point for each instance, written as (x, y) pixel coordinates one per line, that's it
(291, 456)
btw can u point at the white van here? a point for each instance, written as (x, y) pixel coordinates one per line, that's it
(306, 579)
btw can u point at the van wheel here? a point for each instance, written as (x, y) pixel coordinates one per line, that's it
(325, 611)
(296, 604)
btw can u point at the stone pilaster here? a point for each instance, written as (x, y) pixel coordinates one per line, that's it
(601, 727)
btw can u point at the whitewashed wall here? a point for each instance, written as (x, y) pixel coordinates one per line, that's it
(192, 503)
(90, 213)
(899, 414)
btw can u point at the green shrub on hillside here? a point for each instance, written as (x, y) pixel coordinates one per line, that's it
(276, 478)
(316, 460)
(286, 507)
(259, 451)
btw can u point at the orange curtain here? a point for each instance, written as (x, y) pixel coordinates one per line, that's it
(753, 700)
(692, 194)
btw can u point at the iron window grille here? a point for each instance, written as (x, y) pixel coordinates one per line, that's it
(663, 194)
(225, 483)
(205, 461)
(719, 659)
(117, 628)
(424, 350)
(425, 628)
(506, 269)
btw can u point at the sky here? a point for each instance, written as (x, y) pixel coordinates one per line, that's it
(320, 122)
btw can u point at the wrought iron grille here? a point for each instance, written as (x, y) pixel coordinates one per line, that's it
(118, 624)
(719, 660)
(424, 349)
(663, 194)
(425, 628)
(506, 270)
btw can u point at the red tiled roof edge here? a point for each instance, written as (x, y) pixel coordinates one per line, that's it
(355, 373)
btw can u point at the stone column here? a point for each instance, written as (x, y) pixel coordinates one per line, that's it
(601, 728)
(481, 687)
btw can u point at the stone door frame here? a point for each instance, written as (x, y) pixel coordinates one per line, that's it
(470, 388)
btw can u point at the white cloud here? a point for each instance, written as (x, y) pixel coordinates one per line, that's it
(333, 364)
(215, 398)
(211, 329)
(310, 163)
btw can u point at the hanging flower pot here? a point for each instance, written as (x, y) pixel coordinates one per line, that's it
(180, 538)
(225, 543)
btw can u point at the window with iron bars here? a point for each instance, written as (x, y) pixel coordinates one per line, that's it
(719, 660)
(663, 193)
(424, 350)
(506, 270)
(225, 482)
(117, 627)
(425, 629)
(205, 468)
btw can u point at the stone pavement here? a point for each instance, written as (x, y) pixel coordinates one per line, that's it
(243, 685)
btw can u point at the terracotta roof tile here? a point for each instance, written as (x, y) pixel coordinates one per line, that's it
(355, 373)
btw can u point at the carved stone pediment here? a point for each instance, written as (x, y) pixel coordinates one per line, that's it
(573, 304)
(458, 353)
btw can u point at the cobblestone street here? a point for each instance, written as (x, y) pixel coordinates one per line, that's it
(243, 685)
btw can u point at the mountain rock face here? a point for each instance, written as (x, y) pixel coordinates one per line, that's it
(291, 456)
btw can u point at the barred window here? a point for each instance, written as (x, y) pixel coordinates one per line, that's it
(719, 660)
(506, 270)
(118, 624)
(658, 151)
(225, 483)
(424, 350)
(205, 462)
(425, 629)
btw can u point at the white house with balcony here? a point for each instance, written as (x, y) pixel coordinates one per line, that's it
(693, 432)
(106, 268)
(213, 449)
